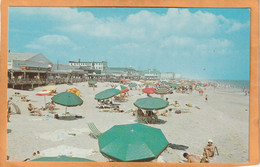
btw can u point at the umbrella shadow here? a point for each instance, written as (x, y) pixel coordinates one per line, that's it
(9, 130)
(160, 121)
(178, 146)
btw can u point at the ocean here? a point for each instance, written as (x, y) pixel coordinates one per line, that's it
(234, 83)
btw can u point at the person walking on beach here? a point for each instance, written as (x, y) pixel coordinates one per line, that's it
(206, 98)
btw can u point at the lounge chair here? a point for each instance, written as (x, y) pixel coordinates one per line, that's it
(94, 130)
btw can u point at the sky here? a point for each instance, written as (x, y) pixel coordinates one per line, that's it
(199, 43)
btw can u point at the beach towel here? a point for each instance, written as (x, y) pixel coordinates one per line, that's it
(68, 151)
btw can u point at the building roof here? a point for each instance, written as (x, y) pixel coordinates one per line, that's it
(30, 57)
(120, 69)
(21, 56)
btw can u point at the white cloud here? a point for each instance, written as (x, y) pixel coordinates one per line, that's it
(143, 25)
(237, 26)
(51, 41)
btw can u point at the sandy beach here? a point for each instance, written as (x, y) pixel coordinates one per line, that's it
(224, 118)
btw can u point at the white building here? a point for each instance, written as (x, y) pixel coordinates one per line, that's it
(167, 75)
(90, 65)
(177, 76)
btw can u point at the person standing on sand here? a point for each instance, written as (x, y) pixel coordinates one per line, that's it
(206, 98)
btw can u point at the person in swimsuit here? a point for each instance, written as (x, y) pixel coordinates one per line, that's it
(51, 106)
(32, 109)
(209, 149)
(191, 158)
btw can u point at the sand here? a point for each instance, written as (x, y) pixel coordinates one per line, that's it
(224, 118)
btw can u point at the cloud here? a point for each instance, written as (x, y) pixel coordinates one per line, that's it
(237, 26)
(144, 25)
(51, 41)
(148, 37)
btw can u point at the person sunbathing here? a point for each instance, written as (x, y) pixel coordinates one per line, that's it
(191, 158)
(117, 109)
(51, 106)
(176, 104)
(164, 113)
(32, 109)
(210, 149)
(24, 99)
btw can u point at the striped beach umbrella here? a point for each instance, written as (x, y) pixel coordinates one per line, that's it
(123, 89)
(162, 91)
(44, 93)
(50, 88)
(73, 90)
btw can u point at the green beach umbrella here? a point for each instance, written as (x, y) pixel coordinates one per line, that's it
(132, 142)
(107, 94)
(151, 103)
(92, 82)
(63, 158)
(67, 99)
(132, 85)
(174, 85)
(200, 84)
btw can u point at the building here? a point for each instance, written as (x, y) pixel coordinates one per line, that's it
(150, 74)
(167, 76)
(177, 76)
(102, 65)
(28, 65)
(29, 61)
(121, 71)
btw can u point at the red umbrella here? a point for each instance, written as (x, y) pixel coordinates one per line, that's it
(44, 93)
(148, 90)
(125, 80)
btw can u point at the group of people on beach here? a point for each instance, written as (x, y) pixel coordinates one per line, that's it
(209, 152)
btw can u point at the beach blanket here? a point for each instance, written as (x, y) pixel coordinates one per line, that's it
(62, 134)
(68, 151)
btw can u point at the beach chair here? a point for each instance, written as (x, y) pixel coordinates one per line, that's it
(94, 130)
